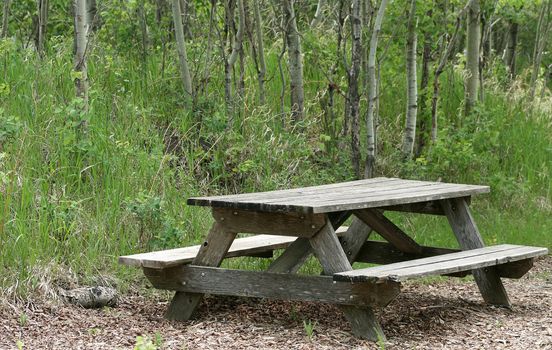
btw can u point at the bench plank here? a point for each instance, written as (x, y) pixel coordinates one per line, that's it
(444, 264)
(261, 284)
(247, 246)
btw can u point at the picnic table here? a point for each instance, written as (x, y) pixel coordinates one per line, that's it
(309, 220)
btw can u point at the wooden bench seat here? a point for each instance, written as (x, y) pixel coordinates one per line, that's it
(247, 246)
(445, 264)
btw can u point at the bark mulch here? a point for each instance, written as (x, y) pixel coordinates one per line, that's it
(432, 314)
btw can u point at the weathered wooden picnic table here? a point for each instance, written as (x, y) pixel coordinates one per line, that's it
(309, 220)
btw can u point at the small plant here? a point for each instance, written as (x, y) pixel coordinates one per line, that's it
(19, 344)
(309, 327)
(381, 340)
(23, 319)
(144, 343)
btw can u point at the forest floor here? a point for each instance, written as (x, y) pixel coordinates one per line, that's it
(428, 314)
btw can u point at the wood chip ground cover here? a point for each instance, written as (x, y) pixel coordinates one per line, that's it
(440, 314)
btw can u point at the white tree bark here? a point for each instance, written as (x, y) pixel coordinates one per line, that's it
(318, 14)
(411, 84)
(5, 18)
(81, 45)
(181, 47)
(372, 93)
(230, 61)
(42, 7)
(260, 48)
(472, 56)
(353, 96)
(540, 43)
(295, 62)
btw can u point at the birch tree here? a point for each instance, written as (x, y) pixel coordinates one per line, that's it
(230, 60)
(372, 93)
(509, 56)
(295, 61)
(439, 70)
(318, 14)
(411, 84)
(261, 69)
(5, 18)
(353, 96)
(472, 56)
(81, 48)
(181, 47)
(42, 9)
(543, 29)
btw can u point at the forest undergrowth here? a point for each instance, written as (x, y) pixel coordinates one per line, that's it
(80, 187)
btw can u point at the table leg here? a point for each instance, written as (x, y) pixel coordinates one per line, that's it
(211, 253)
(333, 259)
(299, 251)
(355, 237)
(468, 236)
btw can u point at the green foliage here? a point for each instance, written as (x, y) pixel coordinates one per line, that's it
(309, 328)
(145, 343)
(9, 127)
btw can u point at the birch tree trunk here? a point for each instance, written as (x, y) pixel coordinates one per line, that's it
(5, 18)
(81, 46)
(439, 70)
(353, 96)
(423, 120)
(318, 14)
(510, 52)
(295, 62)
(181, 47)
(261, 73)
(472, 56)
(42, 6)
(231, 61)
(372, 93)
(411, 84)
(540, 43)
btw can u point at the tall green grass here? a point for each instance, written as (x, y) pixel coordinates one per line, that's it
(81, 188)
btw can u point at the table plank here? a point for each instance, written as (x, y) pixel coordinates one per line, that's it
(350, 195)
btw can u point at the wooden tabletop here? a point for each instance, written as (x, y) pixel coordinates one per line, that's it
(369, 193)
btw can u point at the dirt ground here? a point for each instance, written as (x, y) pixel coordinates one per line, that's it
(442, 314)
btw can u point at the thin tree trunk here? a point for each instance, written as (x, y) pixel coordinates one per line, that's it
(295, 62)
(372, 93)
(42, 6)
(231, 60)
(540, 44)
(424, 88)
(353, 96)
(5, 18)
(261, 73)
(439, 70)
(93, 19)
(510, 52)
(547, 76)
(472, 56)
(318, 14)
(81, 46)
(181, 47)
(411, 84)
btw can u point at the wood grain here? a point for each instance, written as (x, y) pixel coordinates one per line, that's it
(282, 286)
(333, 259)
(388, 230)
(443, 264)
(211, 253)
(288, 224)
(342, 196)
(468, 236)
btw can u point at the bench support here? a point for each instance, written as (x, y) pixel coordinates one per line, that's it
(211, 253)
(468, 236)
(329, 252)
